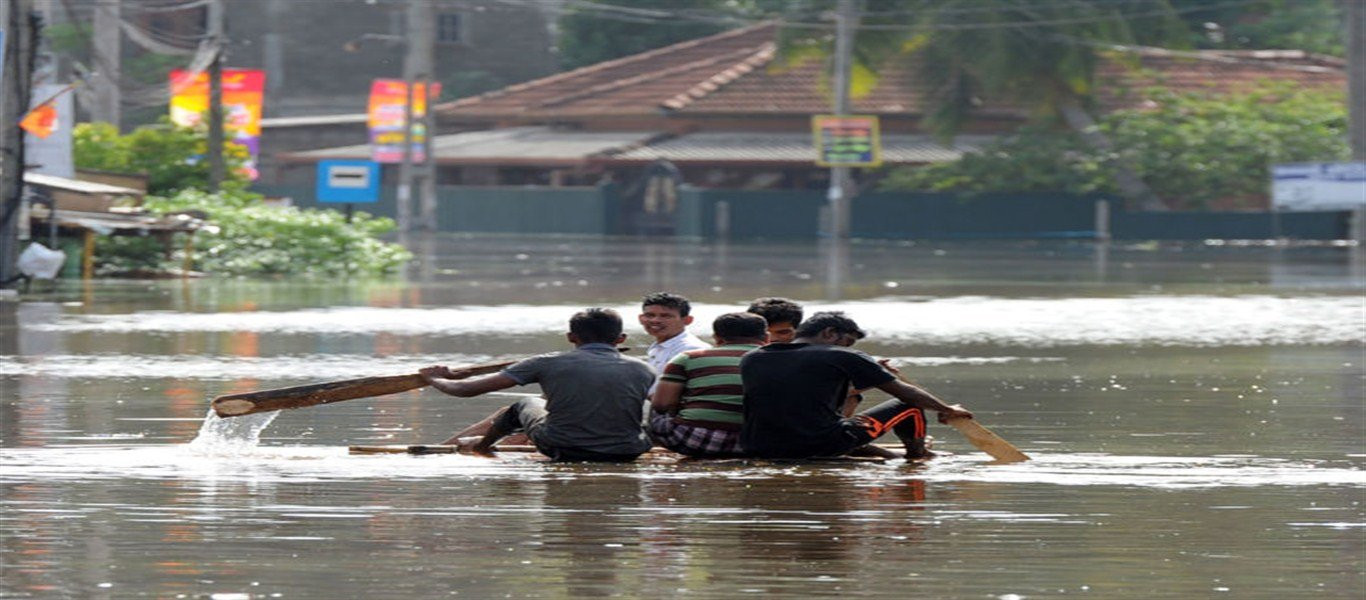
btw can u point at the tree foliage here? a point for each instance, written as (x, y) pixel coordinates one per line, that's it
(246, 237)
(586, 37)
(1312, 25)
(1197, 151)
(172, 157)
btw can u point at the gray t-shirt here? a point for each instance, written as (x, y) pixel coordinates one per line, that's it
(594, 397)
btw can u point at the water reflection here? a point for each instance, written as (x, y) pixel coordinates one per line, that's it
(1194, 413)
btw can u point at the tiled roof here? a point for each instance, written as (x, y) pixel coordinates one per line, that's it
(722, 147)
(737, 73)
(540, 145)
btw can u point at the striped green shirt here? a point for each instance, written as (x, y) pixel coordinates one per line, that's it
(712, 394)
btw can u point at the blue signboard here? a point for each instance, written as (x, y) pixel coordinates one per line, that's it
(348, 181)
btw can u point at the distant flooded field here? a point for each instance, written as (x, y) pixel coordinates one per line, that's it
(1195, 414)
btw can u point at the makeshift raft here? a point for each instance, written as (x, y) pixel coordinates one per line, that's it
(653, 455)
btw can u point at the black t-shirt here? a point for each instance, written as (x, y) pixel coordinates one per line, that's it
(793, 396)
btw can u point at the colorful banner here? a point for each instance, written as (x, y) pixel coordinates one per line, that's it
(243, 93)
(388, 97)
(846, 141)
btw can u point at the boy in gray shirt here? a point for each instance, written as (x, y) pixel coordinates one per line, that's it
(592, 409)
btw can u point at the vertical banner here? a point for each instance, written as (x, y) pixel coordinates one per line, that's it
(243, 94)
(388, 97)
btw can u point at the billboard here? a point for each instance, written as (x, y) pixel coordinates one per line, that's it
(1318, 186)
(388, 99)
(243, 93)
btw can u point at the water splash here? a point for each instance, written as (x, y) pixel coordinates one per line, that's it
(230, 437)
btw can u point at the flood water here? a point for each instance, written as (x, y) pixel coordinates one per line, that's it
(1195, 414)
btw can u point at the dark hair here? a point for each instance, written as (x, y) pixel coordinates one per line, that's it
(836, 319)
(668, 300)
(739, 326)
(596, 325)
(777, 310)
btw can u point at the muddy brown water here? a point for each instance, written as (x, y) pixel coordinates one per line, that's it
(1195, 413)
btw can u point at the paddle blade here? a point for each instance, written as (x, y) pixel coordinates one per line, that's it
(988, 442)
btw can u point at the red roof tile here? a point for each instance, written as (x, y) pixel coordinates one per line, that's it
(735, 73)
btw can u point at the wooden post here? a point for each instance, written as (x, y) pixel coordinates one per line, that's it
(187, 263)
(88, 256)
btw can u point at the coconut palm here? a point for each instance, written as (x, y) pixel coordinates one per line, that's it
(1038, 54)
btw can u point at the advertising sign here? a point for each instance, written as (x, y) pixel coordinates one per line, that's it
(846, 141)
(388, 97)
(1318, 186)
(243, 93)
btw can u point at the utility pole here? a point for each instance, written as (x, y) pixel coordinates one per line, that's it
(20, 42)
(108, 62)
(426, 56)
(841, 181)
(217, 171)
(1355, 12)
(417, 71)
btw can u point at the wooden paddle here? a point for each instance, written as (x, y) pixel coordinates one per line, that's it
(236, 405)
(984, 439)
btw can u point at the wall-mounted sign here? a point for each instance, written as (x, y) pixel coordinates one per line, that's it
(846, 141)
(348, 181)
(1318, 186)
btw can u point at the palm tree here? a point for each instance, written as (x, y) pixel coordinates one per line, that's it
(1039, 54)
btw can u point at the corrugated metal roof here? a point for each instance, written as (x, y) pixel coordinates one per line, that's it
(794, 147)
(513, 144)
(77, 185)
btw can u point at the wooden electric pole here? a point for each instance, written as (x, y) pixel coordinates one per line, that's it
(108, 63)
(217, 170)
(20, 43)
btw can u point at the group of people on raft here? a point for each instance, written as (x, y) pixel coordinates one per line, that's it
(771, 386)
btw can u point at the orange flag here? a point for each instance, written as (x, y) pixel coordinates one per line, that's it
(41, 121)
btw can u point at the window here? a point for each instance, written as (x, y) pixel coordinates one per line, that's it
(448, 28)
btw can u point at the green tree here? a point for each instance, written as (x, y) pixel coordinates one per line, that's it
(1199, 151)
(589, 36)
(170, 156)
(1042, 56)
(1312, 25)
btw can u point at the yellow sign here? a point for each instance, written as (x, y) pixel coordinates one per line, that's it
(846, 141)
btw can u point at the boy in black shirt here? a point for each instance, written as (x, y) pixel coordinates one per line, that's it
(794, 393)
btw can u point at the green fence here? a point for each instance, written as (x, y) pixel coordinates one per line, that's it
(797, 214)
(580, 210)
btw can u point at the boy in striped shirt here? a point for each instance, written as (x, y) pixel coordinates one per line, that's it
(697, 407)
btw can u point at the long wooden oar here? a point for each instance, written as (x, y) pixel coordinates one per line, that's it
(236, 405)
(984, 439)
